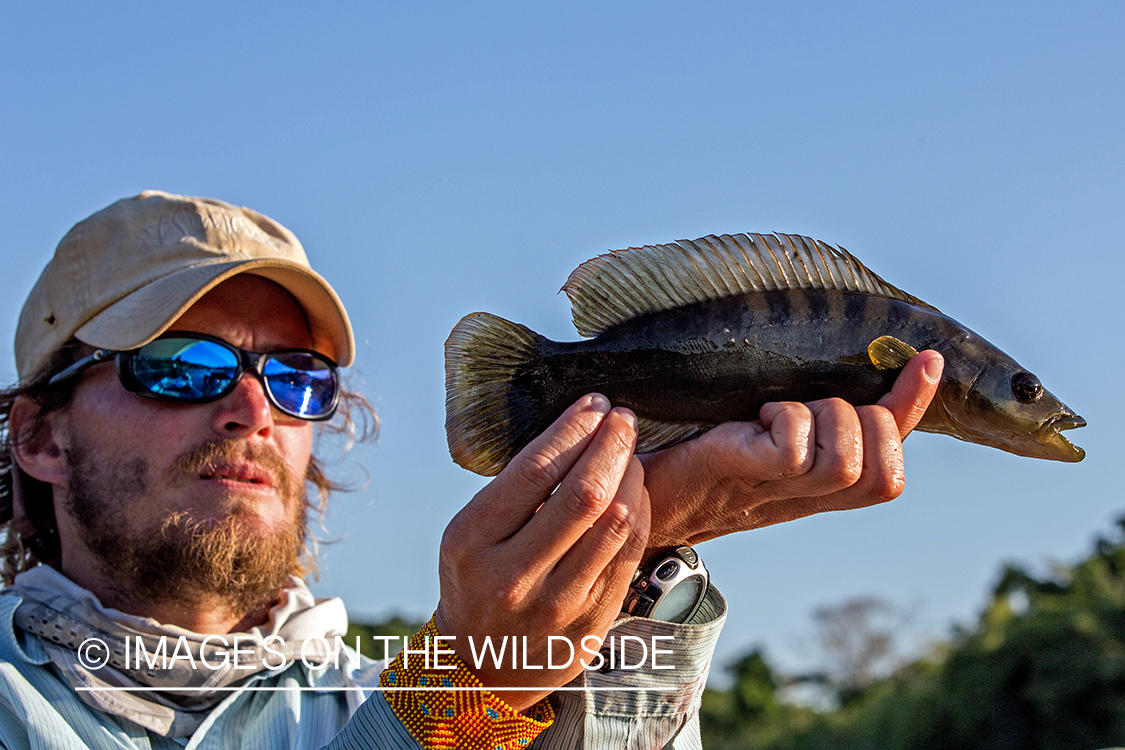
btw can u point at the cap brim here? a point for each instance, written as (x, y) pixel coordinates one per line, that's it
(139, 317)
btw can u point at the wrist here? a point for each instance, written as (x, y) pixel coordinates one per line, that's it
(670, 587)
(657, 552)
(468, 714)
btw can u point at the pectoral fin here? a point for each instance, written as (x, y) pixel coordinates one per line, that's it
(888, 353)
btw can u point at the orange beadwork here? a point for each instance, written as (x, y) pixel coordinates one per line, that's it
(461, 719)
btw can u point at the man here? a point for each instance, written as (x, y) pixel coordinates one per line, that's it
(174, 358)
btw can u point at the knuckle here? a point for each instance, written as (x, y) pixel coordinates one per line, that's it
(620, 521)
(554, 610)
(836, 405)
(509, 595)
(847, 469)
(622, 441)
(879, 419)
(846, 417)
(880, 413)
(885, 480)
(891, 483)
(534, 469)
(586, 498)
(796, 410)
(793, 458)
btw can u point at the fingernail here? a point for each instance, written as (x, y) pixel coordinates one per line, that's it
(629, 417)
(600, 403)
(933, 369)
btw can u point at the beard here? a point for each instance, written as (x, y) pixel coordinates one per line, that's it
(233, 560)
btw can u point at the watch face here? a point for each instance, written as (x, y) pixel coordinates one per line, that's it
(678, 603)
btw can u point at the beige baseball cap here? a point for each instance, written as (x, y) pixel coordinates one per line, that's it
(121, 277)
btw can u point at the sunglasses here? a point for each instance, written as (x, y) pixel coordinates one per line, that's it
(191, 368)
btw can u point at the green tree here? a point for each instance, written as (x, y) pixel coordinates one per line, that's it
(1042, 669)
(755, 687)
(858, 640)
(372, 646)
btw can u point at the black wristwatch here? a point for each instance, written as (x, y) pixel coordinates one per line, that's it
(670, 589)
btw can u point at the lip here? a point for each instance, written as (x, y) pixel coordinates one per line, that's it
(1056, 423)
(1052, 428)
(242, 474)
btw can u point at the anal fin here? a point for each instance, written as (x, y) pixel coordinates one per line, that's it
(654, 436)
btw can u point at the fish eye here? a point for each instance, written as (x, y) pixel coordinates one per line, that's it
(1027, 387)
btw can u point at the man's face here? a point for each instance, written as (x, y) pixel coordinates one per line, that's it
(173, 500)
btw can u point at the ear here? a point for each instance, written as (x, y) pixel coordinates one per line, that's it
(38, 444)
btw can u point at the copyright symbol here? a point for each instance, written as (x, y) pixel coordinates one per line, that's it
(93, 653)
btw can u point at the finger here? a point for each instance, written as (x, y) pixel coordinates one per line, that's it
(880, 475)
(913, 390)
(807, 441)
(583, 495)
(884, 475)
(786, 447)
(508, 501)
(837, 455)
(600, 565)
(839, 447)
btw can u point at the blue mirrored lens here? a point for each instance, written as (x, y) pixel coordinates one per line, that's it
(187, 369)
(301, 383)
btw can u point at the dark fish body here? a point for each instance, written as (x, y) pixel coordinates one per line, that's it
(721, 360)
(712, 356)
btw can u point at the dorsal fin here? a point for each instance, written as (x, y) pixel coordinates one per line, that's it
(624, 284)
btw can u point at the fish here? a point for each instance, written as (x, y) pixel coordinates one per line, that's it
(695, 333)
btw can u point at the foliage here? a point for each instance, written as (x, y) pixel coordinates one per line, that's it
(858, 640)
(1043, 669)
(371, 644)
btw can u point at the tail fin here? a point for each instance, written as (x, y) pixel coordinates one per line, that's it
(486, 420)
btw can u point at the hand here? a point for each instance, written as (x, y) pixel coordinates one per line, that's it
(547, 548)
(801, 459)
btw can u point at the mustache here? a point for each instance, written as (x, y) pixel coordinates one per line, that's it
(206, 458)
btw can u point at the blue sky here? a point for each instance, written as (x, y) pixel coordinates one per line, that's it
(442, 158)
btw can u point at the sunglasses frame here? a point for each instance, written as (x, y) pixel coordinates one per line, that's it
(254, 362)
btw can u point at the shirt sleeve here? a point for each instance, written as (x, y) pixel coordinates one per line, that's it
(374, 724)
(649, 699)
(649, 696)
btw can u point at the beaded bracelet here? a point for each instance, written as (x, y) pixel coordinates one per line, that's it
(448, 719)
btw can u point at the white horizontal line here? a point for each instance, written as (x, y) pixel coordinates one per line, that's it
(273, 689)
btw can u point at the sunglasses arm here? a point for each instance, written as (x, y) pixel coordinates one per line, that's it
(99, 355)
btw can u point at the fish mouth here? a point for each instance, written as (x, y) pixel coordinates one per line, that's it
(1052, 428)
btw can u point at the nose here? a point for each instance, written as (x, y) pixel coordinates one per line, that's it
(245, 411)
